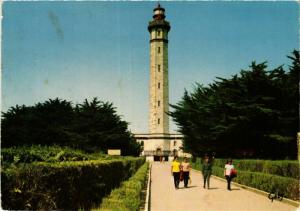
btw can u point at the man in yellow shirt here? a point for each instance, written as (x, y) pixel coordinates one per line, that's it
(175, 171)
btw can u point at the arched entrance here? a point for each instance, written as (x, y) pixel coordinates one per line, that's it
(158, 154)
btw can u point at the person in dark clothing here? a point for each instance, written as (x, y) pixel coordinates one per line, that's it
(206, 170)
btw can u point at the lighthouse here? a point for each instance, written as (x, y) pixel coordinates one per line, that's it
(158, 143)
(159, 83)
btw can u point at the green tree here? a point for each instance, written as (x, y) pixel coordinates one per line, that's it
(91, 126)
(254, 113)
(102, 129)
(45, 123)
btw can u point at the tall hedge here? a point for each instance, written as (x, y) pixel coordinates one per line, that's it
(65, 185)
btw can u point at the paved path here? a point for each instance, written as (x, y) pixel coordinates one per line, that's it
(164, 197)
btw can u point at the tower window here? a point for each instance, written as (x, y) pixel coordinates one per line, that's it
(158, 67)
(158, 33)
(158, 85)
(158, 50)
(158, 103)
(158, 121)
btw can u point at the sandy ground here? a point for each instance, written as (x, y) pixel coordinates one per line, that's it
(165, 197)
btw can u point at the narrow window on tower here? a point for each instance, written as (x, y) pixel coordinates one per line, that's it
(158, 68)
(158, 121)
(158, 85)
(158, 33)
(158, 50)
(158, 103)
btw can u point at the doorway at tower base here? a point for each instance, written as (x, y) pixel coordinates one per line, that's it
(161, 159)
(155, 158)
(158, 158)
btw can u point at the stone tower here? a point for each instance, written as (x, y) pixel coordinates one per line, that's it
(159, 143)
(159, 88)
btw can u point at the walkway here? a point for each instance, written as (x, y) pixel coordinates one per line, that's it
(164, 197)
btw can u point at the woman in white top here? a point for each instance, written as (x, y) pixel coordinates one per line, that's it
(227, 172)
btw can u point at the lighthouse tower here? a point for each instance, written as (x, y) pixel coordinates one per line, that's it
(158, 142)
(159, 87)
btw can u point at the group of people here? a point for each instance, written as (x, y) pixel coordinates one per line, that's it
(181, 171)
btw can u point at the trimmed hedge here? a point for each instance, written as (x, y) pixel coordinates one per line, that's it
(29, 154)
(285, 168)
(262, 181)
(128, 196)
(64, 185)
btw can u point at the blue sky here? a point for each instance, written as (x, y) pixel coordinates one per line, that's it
(78, 50)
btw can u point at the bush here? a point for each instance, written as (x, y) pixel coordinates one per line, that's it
(128, 196)
(29, 154)
(65, 185)
(285, 168)
(262, 181)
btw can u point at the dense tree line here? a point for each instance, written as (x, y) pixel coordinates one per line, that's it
(91, 126)
(252, 114)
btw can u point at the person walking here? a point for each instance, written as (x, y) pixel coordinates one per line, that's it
(175, 171)
(186, 167)
(227, 172)
(206, 170)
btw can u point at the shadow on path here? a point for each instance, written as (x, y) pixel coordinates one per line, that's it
(235, 189)
(192, 186)
(213, 188)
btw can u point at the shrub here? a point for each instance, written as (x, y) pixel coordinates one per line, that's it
(128, 196)
(29, 154)
(63, 185)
